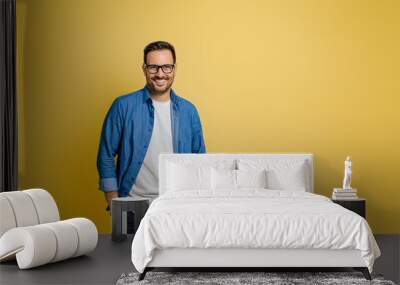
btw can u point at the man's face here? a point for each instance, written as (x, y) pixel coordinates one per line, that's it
(161, 81)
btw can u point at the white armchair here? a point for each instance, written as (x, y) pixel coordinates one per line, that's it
(31, 230)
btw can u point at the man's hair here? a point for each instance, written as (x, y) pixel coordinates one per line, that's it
(158, 46)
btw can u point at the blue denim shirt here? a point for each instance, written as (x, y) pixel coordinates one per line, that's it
(126, 134)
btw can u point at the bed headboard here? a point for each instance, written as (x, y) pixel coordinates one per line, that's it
(166, 157)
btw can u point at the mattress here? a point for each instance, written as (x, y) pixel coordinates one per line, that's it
(250, 219)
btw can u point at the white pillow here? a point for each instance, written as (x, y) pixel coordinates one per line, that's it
(289, 179)
(177, 167)
(282, 174)
(251, 178)
(223, 179)
(236, 179)
(181, 177)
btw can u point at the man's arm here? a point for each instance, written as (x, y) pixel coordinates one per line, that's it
(198, 145)
(108, 148)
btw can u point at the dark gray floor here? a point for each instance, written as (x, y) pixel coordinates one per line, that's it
(389, 262)
(110, 260)
(103, 266)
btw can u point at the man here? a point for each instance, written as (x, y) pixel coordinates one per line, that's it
(141, 125)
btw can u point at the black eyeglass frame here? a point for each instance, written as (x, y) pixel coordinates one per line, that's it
(147, 66)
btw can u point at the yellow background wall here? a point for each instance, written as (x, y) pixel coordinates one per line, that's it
(266, 76)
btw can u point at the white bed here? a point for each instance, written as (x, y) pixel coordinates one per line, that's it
(248, 227)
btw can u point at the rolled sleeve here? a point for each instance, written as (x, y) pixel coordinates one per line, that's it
(108, 184)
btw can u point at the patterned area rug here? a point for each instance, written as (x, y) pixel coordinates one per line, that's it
(244, 278)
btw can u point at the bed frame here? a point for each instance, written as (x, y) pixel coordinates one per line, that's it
(246, 259)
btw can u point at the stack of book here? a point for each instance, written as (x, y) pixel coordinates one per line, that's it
(344, 194)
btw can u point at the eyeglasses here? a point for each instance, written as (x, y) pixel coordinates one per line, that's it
(166, 68)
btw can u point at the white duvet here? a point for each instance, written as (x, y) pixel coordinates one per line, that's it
(250, 218)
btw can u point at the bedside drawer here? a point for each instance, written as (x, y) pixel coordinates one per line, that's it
(358, 206)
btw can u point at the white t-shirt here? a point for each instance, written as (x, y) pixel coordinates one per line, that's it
(146, 184)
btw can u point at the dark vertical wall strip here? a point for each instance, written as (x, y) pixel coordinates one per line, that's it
(8, 101)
